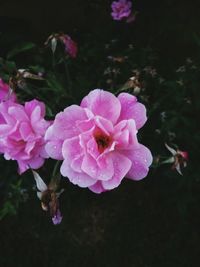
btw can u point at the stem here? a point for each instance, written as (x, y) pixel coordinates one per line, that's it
(55, 168)
(68, 77)
(53, 61)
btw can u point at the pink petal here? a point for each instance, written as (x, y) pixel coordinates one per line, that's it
(31, 105)
(141, 160)
(85, 125)
(104, 124)
(95, 170)
(71, 149)
(26, 131)
(22, 167)
(54, 149)
(49, 135)
(17, 112)
(36, 115)
(80, 179)
(4, 116)
(97, 188)
(43, 152)
(65, 124)
(29, 147)
(121, 166)
(126, 134)
(36, 163)
(92, 148)
(131, 109)
(105, 167)
(40, 126)
(5, 129)
(89, 166)
(102, 103)
(77, 163)
(85, 137)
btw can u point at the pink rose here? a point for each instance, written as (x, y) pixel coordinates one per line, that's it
(97, 141)
(70, 46)
(121, 9)
(22, 130)
(6, 93)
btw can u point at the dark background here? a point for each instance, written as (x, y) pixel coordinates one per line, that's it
(151, 223)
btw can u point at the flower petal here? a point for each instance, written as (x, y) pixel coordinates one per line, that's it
(26, 131)
(17, 112)
(36, 163)
(54, 149)
(97, 188)
(35, 104)
(101, 170)
(71, 149)
(102, 103)
(121, 166)
(141, 160)
(131, 109)
(126, 134)
(65, 124)
(80, 179)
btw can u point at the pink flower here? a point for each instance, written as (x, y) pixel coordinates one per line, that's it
(70, 46)
(97, 141)
(22, 130)
(6, 93)
(121, 9)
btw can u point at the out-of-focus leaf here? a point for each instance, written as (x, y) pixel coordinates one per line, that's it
(20, 48)
(53, 82)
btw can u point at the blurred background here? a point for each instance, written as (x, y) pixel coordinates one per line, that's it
(154, 222)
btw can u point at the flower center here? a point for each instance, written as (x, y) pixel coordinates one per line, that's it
(103, 141)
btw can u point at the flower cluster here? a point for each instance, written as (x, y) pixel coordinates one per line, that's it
(97, 141)
(22, 129)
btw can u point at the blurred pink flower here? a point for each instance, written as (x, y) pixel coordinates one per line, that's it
(70, 46)
(22, 130)
(6, 93)
(121, 9)
(97, 141)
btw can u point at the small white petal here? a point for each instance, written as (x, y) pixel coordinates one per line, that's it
(173, 151)
(53, 45)
(178, 169)
(39, 182)
(39, 195)
(169, 160)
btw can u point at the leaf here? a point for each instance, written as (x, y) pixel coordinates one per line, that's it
(23, 47)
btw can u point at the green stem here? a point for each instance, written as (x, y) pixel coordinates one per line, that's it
(68, 78)
(55, 168)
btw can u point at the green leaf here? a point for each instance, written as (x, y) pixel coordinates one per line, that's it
(23, 47)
